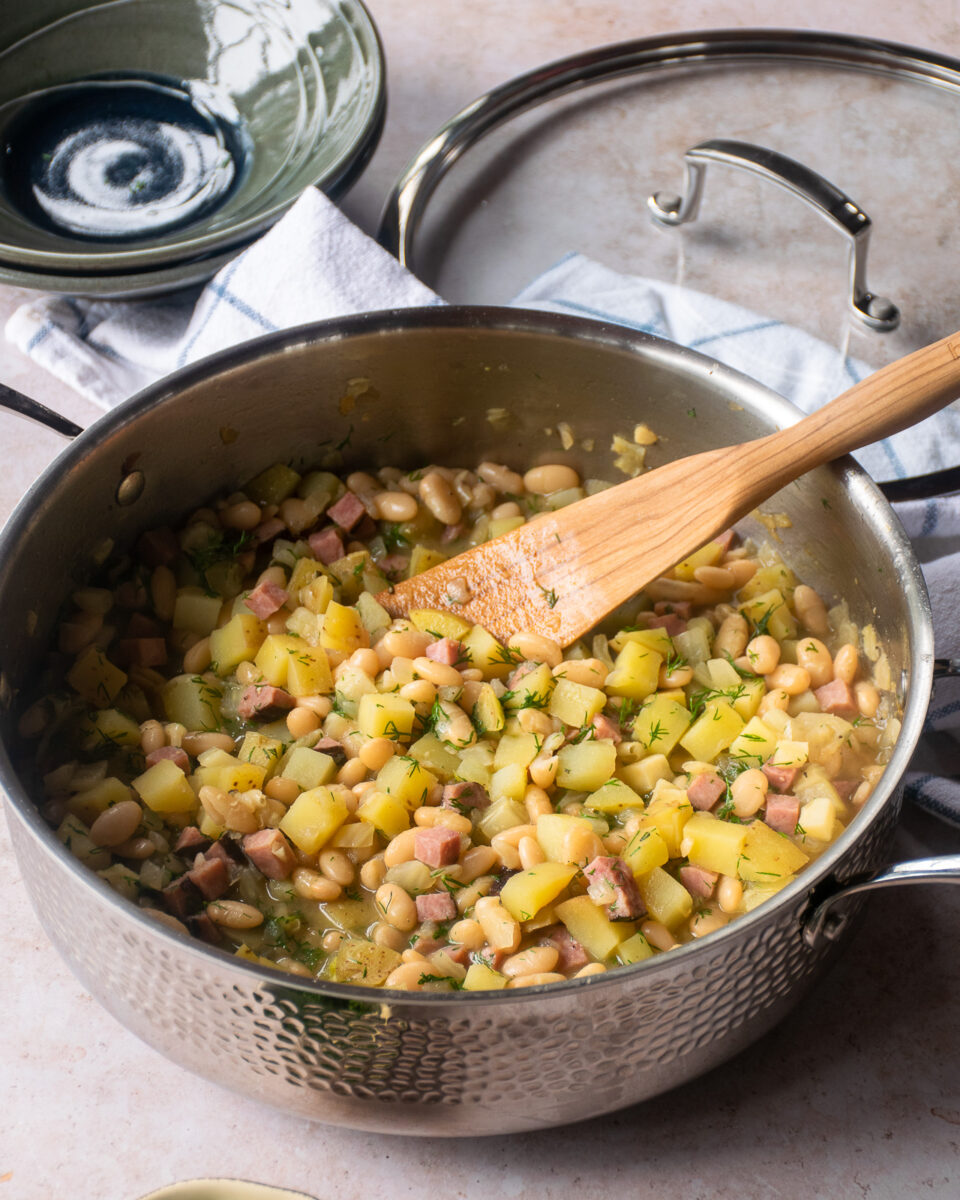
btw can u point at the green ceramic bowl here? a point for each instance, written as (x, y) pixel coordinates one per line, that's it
(149, 138)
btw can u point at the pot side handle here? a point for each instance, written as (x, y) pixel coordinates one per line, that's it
(821, 922)
(876, 312)
(33, 410)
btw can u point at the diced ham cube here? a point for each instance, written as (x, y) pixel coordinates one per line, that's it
(143, 651)
(436, 906)
(680, 608)
(182, 897)
(517, 675)
(451, 533)
(698, 881)
(705, 790)
(158, 547)
(266, 599)
(459, 954)
(726, 539)
(781, 779)
(206, 930)
(364, 531)
(572, 954)
(836, 697)
(669, 621)
(142, 626)
(610, 882)
(260, 698)
(447, 651)
(436, 846)
(211, 876)
(347, 511)
(489, 956)
(607, 729)
(229, 852)
(845, 787)
(326, 545)
(191, 840)
(270, 853)
(394, 564)
(782, 813)
(333, 748)
(176, 755)
(267, 530)
(460, 796)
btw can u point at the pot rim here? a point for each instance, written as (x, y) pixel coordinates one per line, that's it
(479, 320)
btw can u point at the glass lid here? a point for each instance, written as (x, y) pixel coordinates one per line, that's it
(816, 146)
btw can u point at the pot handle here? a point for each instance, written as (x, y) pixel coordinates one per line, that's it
(820, 922)
(33, 410)
(876, 312)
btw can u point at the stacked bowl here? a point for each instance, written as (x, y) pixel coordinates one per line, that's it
(144, 142)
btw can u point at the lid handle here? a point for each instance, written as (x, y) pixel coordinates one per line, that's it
(876, 312)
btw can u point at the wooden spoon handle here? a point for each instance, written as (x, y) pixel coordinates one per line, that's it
(893, 398)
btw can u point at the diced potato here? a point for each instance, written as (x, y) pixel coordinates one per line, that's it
(321, 487)
(309, 768)
(373, 615)
(365, 963)
(713, 844)
(774, 575)
(352, 684)
(660, 723)
(713, 732)
(193, 701)
(635, 949)
(721, 674)
(642, 776)
(431, 753)
(694, 643)
(164, 788)
(305, 571)
(592, 928)
(92, 801)
(303, 623)
(519, 748)
(348, 572)
(308, 672)
(575, 704)
(109, 727)
(755, 894)
(313, 818)
(239, 776)
(236, 642)
(666, 900)
(385, 714)
(501, 525)
(487, 712)
(770, 607)
(509, 782)
(756, 742)
(487, 654)
(422, 559)
(669, 811)
(502, 814)
(707, 556)
(274, 656)
(273, 485)
(354, 835)
(646, 850)
(790, 754)
(476, 764)
(818, 818)
(524, 894)
(342, 629)
(585, 766)
(636, 671)
(481, 978)
(260, 748)
(95, 678)
(316, 595)
(122, 880)
(613, 797)
(657, 640)
(532, 691)
(406, 780)
(746, 697)
(442, 624)
(768, 855)
(196, 611)
(552, 830)
(387, 813)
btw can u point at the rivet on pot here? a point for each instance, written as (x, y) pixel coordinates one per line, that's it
(130, 488)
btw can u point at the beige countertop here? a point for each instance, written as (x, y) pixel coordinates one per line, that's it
(856, 1094)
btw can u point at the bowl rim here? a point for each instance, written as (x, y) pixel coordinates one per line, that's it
(478, 320)
(18, 265)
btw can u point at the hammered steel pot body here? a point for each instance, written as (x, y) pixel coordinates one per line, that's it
(408, 388)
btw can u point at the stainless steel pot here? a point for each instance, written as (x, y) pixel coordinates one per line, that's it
(447, 385)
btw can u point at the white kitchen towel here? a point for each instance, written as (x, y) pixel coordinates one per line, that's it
(315, 264)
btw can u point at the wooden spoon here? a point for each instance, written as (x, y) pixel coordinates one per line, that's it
(564, 571)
